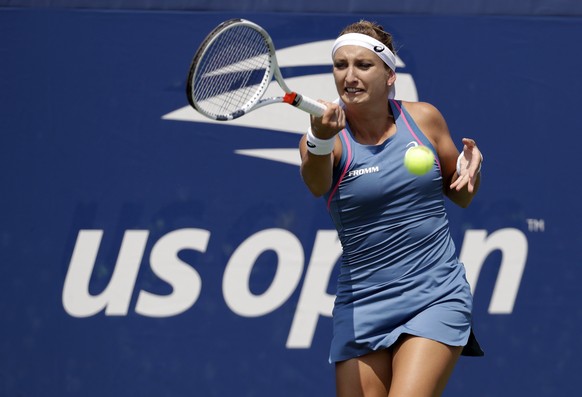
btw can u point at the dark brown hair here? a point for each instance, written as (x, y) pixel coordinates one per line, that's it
(371, 29)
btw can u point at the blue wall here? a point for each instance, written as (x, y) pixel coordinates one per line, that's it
(146, 251)
(371, 7)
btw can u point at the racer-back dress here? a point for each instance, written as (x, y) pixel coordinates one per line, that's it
(399, 271)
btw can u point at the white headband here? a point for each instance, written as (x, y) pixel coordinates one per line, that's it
(368, 42)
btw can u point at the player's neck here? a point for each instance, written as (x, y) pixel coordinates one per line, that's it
(371, 128)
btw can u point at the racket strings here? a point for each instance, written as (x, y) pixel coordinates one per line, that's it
(232, 71)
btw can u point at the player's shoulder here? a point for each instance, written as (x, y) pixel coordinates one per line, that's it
(429, 119)
(423, 111)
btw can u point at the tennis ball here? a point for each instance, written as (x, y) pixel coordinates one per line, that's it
(418, 160)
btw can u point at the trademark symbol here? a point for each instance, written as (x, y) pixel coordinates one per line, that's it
(535, 225)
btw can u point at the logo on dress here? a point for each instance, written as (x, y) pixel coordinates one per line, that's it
(369, 170)
(411, 144)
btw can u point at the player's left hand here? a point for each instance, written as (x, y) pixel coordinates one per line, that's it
(469, 165)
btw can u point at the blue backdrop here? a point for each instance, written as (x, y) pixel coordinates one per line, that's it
(146, 251)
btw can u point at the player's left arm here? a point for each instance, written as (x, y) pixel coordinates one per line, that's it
(459, 189)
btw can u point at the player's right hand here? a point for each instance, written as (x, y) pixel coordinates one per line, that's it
(332, 121)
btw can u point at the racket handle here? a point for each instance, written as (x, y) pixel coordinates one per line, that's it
(305, 103)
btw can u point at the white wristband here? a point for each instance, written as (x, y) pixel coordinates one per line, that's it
(459, 164)
(319, 146)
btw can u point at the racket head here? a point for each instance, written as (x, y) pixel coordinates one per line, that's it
(231, 70)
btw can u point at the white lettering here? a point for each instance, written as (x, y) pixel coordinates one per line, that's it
(314, 300)
(116, 297)
(513, 245)
(235, 284)
(184, 280)
(363, 171)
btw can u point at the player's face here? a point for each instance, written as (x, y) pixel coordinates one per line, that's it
(360, 75)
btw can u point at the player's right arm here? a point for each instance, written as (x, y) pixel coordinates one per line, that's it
(317, 170)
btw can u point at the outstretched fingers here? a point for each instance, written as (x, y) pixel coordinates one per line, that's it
(468, 166)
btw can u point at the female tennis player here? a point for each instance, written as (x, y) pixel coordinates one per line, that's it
(402, 314)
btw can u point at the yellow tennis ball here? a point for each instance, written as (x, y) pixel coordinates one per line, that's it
(418, 160)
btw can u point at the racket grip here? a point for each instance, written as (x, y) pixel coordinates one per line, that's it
(309, 105)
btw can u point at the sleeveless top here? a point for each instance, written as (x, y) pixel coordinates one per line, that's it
(399, 271)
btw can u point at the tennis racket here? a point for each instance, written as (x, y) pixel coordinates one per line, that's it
(232, 70)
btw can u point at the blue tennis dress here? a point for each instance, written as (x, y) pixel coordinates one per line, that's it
(399, 271)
